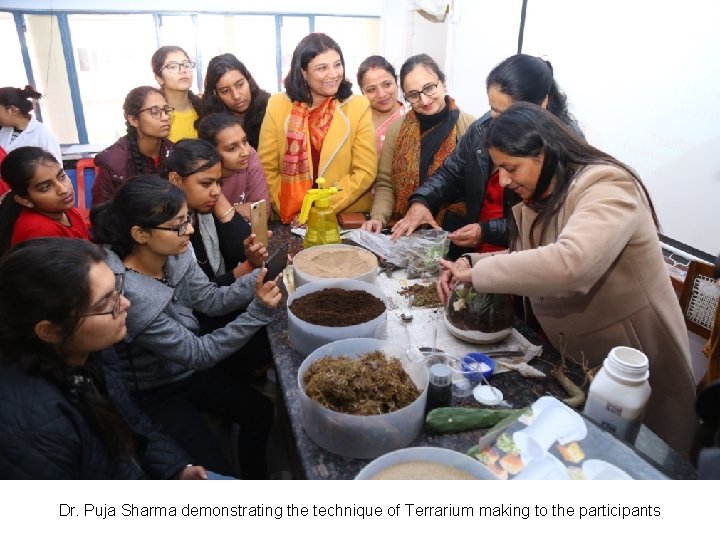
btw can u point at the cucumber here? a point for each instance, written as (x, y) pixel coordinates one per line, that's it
(456, 419)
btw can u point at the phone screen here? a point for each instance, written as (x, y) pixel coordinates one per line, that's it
(276, 263)
(258, 222)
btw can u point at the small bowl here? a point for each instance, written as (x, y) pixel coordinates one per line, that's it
(475, 364)
(433, 454)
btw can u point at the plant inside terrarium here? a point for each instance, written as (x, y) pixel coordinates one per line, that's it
(468, 309)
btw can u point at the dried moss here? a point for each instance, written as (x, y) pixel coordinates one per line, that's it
(371, 384)
(425, 295)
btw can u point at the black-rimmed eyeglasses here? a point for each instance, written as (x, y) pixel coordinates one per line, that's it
(181, 229)
(177, 67)
(156, 111)
(429, 90)
(119, 290)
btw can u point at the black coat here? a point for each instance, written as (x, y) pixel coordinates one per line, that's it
(463, 177)
(43, 435)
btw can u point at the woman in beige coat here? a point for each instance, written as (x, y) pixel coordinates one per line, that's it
(586, 253)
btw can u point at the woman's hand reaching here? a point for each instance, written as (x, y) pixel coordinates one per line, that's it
(450, 274)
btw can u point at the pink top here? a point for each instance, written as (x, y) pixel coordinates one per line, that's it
(33, 224)
(382, 128)
(247, 185)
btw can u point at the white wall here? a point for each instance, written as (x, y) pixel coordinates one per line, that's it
(346, 7)
(642, 78)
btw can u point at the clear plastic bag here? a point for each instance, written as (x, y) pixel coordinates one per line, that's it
(420, 252)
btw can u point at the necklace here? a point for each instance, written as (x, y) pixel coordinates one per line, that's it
(162, 279)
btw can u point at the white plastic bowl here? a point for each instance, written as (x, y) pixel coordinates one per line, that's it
(355, 436)
(306, 337)
(330, 261)
(434, 454)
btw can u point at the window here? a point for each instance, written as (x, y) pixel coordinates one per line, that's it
(251, 38)
(13, 70)
(358, 38)
(112, 56)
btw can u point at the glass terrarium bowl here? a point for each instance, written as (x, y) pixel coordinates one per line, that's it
(479, 317)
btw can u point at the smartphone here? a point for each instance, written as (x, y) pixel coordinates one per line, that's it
(258, 221)
(276, 263)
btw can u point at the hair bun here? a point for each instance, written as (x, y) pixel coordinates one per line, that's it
(30, 92)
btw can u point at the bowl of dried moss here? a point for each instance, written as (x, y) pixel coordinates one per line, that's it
(360, 398)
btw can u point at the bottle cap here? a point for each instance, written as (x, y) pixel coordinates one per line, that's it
(440, 374)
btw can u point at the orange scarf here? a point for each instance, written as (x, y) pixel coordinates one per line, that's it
(405, 171)
(296, 178)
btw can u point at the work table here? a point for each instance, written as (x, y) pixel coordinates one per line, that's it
(313, 462)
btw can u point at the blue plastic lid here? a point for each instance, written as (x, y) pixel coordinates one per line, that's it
(473, 364)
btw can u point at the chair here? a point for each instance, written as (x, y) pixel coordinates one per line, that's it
(699, 298)
(83, 187)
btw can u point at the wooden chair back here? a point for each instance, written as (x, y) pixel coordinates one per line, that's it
(699, 298)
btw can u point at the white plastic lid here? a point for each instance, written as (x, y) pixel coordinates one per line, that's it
(487, 395)
(440, 374)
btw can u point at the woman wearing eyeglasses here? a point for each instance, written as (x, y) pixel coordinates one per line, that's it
(174, 73)
(419, 143)
(176, 372)
(469, 174)
(318, 128)
(67, 412)
(143, 150)
(42, 201)
(230, 88)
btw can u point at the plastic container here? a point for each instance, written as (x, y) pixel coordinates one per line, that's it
(443, 456)
(476, 364)
(478, 317)
(619, 393)
(305, 337)
(440, 387)
(363, 437)
(334, 259)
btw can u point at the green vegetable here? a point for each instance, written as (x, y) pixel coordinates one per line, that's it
(455, 419)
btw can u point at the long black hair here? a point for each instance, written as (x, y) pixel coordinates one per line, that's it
(527, 130)
(132, 106)
(18, 169)
(308, 48)
(48, 279)
(157, 62)
(210, 126)
(211, 103)
(528, 78)
(146, 201)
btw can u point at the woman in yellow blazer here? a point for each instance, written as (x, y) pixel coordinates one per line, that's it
(318, 128)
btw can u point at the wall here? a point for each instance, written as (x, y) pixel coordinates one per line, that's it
(641, 78)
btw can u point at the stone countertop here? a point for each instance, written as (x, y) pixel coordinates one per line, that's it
(317, 463)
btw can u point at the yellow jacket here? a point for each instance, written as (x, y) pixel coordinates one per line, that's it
(348, 159)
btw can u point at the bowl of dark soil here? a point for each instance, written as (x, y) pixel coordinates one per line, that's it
(359, 399)
(325, 311)
(478, 317)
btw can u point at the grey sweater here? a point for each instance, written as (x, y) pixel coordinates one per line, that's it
(162, 343)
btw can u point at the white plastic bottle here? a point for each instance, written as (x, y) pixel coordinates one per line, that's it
(619, 393)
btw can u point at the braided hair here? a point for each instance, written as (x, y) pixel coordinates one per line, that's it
(132, 106)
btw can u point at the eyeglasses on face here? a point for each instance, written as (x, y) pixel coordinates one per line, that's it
(119, 290)
(429, 90)
(156, 111)
(177, 67)
(181, 229)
